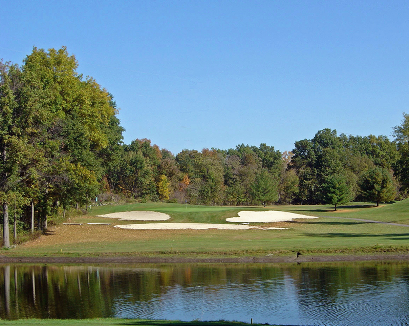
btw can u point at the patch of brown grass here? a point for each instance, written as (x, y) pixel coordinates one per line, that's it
(66, 234)
(69, 234)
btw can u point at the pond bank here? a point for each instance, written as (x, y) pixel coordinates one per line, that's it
(225, 260)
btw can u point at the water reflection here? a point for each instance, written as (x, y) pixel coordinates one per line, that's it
(338, 294)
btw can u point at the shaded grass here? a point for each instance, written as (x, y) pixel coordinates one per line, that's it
(397, 212)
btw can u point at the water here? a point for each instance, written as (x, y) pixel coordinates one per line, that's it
(305, 294)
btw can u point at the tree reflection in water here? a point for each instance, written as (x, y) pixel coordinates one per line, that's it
(286, 294)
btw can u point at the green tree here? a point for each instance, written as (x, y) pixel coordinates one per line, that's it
(264, 189)
(71, 116)
(336, 190)
(315, 160)
(211, 172)
(377, 185)
(288, 186)
(235, 190)
(401, 134)
(16, 148)
(53, 124)
(139, 170)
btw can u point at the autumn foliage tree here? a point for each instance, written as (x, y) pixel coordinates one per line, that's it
(53, 125)
(163, 188)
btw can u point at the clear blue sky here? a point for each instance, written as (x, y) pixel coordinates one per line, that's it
(200, 73)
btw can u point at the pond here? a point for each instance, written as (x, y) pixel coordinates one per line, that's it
(291, 294)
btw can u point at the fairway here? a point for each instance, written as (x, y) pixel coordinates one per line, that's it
(332, 232)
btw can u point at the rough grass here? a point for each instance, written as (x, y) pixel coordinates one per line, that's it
(333, 232)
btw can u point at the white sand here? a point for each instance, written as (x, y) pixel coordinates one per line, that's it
(244, 217)
(138, 216)
(265, 217)
(185, 226)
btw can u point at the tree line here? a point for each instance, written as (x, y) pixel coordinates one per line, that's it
(327, 169)
(61, 146)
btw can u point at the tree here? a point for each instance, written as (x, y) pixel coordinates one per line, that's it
(111, 155)
(377, 185)
(169, 168)
(314, 161)
(210, 169)
(401, 134)
(288, 186)
(16, 149)
(250, 166)
(235, 190)
(163, 188)
(70, 118)
(264, 188)
(271, 159)
(336, 191)
(53, 124)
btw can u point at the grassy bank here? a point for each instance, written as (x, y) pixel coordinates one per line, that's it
(113, 321)
(343, 232)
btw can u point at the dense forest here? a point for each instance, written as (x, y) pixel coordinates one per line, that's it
(61, 146)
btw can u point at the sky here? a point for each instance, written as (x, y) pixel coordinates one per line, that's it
(215, 74)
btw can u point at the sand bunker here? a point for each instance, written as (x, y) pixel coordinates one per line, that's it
(138, 216)
(265, 217)
(185, 226)
(244, 217)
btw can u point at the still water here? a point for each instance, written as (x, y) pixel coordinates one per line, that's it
(305, 294)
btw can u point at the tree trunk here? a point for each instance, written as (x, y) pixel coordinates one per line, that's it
(44, 223)
(6, 231)
(32, 217)
(15, 226)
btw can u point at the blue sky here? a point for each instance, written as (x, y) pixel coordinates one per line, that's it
(202, 74)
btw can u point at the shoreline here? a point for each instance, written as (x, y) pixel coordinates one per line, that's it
(211, 260)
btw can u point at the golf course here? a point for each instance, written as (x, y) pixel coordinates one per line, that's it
(355, 232)
(361, 230)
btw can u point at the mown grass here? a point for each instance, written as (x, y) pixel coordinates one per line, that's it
(113, 321)
(333, 232)
(179, 213)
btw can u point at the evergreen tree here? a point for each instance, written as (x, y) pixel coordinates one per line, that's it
(264, 188)
(377, 185)
(336, 191)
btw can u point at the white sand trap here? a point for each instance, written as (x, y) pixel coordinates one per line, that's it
(138, 216)
(185, 226)
(265, 217)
